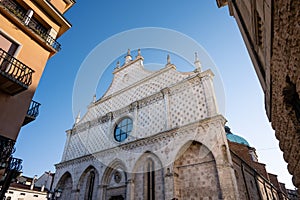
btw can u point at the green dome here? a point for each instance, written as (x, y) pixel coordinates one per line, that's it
(235, 138)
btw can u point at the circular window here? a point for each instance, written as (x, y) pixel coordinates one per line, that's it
(123, 129)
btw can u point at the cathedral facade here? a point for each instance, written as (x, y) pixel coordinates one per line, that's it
(158, 135)
(153, 135)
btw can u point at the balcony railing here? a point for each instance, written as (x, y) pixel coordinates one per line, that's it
(35, 26)
(16, 76)
(12, 171)
(32, 112)
(15, 164)
(6, 149)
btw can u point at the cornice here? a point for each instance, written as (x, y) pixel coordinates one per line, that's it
(160, 137)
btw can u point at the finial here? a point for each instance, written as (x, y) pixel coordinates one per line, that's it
(139, 52)
(77, 118)
(168, 59)
(196, 57)
(118, 65)
(94, 98)
(128, 57)
(197, 62)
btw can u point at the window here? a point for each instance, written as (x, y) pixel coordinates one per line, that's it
(10, 192)
(8, 198)
(123, 129)
(90, 182)
(150, 180)
(35, 195)
(23, 194)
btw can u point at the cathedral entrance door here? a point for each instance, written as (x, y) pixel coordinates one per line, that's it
(119, 197)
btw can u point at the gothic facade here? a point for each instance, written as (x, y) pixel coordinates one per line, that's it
(153, 135)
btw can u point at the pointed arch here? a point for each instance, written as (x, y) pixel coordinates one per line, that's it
(115, 164)
(65, 183)
(148, 173)
(196, 172)
(146, 156)
(114, 180)
(87, 184)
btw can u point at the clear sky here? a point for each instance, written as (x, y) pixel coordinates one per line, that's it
(40, 144)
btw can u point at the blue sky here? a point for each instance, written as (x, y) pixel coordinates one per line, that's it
(40, 144)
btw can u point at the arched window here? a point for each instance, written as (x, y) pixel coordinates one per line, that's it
(90, 185)
(149, 180)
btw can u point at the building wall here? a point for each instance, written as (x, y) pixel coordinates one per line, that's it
(252, 178)
(271, 33)
(18, 194)
(31, 45)
(62, 5)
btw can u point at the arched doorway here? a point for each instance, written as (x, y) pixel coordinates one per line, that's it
(148, 178)
(87, 185)
(114, 181)
(65, 184)
(196, 173)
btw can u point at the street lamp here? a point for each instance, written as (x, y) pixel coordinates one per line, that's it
(54, 195)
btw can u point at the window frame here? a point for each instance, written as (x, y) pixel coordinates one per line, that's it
(117, 131)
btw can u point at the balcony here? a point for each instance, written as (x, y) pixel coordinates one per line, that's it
(12, 171)
(15, 76)
(6, 149)
(20, 13)
(32, 112)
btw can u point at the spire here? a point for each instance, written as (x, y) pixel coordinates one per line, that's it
(128, 57)
(139, 54)
(77, 118)
(197, 63)
(118, 65)
(168, 59)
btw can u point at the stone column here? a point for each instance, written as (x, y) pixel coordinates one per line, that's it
(224, 165)
(102, 191)
(208, 86)
(130, 190)
(134, 110)
(166, 93)
(69, 133)
(227, 180)
(169, 184)
(75, 194)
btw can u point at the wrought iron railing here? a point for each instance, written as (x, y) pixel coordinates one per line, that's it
(35, 26)
(6, 149)
(12, 171)
(33, 110)
(15, 164)
(14, 69)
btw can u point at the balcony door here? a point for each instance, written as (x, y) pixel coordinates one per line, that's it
(8, 45)
(9, 49)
